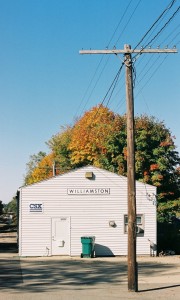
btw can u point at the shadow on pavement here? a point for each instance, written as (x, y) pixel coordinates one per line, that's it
(10, 273)
(159, 288)
(52, 275)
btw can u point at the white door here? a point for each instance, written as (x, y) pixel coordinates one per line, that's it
(61, 236)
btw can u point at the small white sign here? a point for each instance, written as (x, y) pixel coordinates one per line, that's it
(36, 207)
(96, 191)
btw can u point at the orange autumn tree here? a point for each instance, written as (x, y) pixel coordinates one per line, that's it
(90, 135)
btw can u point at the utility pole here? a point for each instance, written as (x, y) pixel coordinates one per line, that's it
(54, 168)
(127, 51)
(132, 263)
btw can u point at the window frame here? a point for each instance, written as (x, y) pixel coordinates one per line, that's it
(140, 224)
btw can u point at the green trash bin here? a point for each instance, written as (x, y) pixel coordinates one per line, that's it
(88, 243)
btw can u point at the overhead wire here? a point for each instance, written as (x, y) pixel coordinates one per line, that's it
(165, 25)
(143, 77)
(157, 20)
(117, 42)
(145, 72)
(94, 86)
(90, 83)
(110, 90)
(164, 41)
(129, 21)
(114, 46)
(150, 59)
(126, 9)
(158, 33)
(118, 90)
(152, 65)
(153, 73)
(114, 83)
(99, 64)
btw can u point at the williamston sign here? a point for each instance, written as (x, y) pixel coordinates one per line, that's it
(84, 191)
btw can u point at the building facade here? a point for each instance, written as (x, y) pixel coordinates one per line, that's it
(54, 214)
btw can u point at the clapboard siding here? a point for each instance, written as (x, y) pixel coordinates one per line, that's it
(90, 214)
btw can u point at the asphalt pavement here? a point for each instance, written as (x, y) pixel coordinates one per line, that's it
(66, 278)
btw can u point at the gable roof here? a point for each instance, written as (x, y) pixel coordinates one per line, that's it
(86, 168)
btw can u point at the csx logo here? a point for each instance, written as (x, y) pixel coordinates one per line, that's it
(35, 206)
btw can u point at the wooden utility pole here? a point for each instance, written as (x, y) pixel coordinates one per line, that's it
(127, 51)
(54, 168)
(132, 264)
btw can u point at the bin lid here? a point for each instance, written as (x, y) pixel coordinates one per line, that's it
(88, 237)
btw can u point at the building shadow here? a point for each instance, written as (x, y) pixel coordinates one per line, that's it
(103, 251)
(8, 248)
(8, 239)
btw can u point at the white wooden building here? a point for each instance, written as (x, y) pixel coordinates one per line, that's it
(54, 214)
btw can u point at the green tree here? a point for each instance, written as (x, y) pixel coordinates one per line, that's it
(1, 207)
(35, 159)
(59, 146)
(11, 209)
(11, 206)
(156, 157)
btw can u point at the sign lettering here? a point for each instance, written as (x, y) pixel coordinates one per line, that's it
(36, 207)
(96, 191)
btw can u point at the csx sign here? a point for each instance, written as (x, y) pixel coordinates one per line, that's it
(36, 207)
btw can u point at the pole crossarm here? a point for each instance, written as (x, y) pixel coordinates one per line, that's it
(116, 51)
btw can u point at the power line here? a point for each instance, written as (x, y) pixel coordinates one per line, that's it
(162, 14)
(112, 86)
(158, 33)
(99, 64)
(150, 60)
(167, 23)
(95, 83)
(89, 85)
(166, 9)
(119, 89)
(170, 34)
(128, 21)
(119, 23)
(116, 81)
(101, 60)
(165, 41)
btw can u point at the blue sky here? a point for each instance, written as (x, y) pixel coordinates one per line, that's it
(45, 83)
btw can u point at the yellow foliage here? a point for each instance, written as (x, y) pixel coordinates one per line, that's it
(90, 133)
(44, 170)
